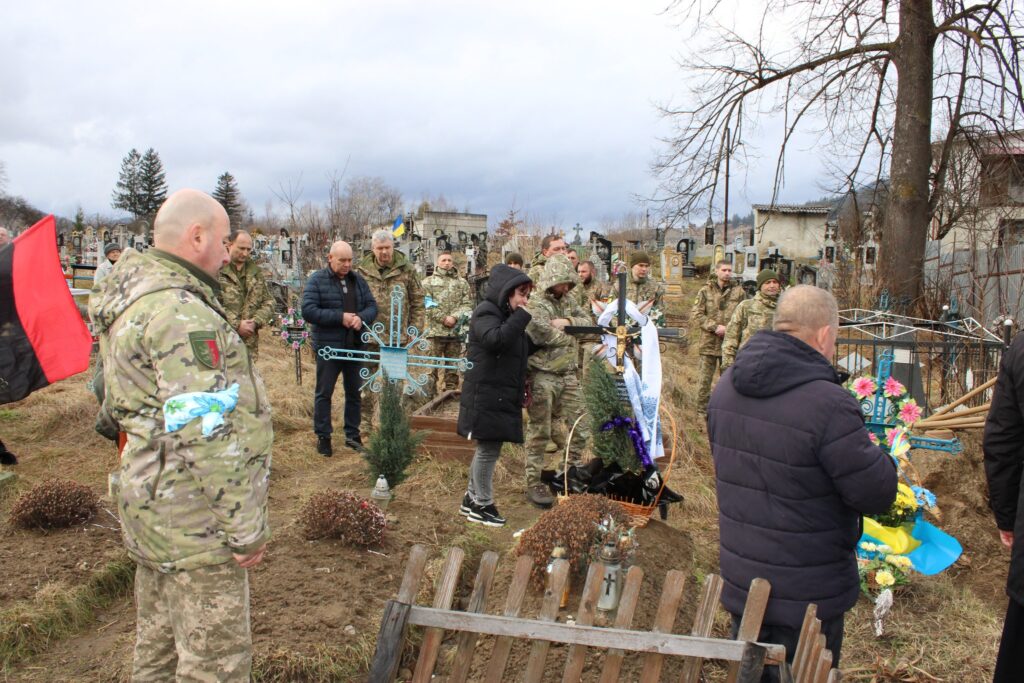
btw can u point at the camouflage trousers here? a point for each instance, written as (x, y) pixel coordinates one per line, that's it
(448, 379)
(192, 625)
(555, 406)
(706, 370)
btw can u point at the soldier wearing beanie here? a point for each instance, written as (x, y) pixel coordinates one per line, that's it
(642, 287)
(111, 253)
(751, 316)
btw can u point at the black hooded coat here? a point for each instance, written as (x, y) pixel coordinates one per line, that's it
(795, 471)
(491, 405)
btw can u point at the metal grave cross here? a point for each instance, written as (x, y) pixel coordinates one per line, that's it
(624, 332)
(394, 360)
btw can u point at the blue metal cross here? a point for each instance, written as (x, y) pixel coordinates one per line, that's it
(394, 360)
(878, 412)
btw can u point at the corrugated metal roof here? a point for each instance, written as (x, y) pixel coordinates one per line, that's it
(792, 208)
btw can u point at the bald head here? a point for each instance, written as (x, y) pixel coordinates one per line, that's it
(809, 314)
(194, 226)
(339, 259)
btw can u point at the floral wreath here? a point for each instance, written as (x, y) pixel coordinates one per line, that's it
(293, 329)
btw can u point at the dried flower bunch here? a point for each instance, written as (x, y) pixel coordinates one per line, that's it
(343, 515)
(54, 504)
(574, 524)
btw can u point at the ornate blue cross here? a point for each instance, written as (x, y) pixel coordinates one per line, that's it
(879, 412)
(393, 360)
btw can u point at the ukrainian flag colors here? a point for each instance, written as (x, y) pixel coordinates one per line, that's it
(398, 228)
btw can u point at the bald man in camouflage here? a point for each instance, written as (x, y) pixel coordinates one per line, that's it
(193, 506)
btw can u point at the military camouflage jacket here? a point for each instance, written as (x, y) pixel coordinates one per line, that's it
(749, 317)
(399, 273)
(558, 350)
(537, 268)
(245, 296)
(446, 293)
(645, 289)
(595, 290)
(186, 500)
(714, 306)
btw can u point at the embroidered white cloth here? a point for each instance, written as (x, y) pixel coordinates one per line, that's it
(644, 388)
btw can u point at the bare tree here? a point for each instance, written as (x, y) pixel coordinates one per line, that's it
(877, 79)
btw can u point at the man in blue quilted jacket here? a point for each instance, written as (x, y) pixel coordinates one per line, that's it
(795, 472)
(338, 303)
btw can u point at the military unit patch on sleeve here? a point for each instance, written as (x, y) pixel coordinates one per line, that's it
(204, 346)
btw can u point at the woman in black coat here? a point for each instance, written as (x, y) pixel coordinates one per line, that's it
(491, 407)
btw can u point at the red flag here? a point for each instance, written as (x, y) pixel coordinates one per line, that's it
(43, 338)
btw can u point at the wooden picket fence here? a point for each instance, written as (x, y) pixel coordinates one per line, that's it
(744, 657)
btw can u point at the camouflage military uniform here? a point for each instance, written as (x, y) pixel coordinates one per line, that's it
(537, 268)
(245, 296)
(400, 273)
(555, 387)
(644, 289)
(749, 317)
(714, 306)
(446, 294)
(595, 290)
(187, 502)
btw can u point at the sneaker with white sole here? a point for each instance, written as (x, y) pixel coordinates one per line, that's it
(467, 506)
(486, 515)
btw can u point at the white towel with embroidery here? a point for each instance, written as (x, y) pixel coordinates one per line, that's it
(644, 388)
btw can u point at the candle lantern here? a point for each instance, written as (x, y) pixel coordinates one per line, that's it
(611, 585)
(558, 553)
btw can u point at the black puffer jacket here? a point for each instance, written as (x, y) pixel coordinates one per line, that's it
(323, 303)
(491, 406)
(795, 470)
(1004, 459)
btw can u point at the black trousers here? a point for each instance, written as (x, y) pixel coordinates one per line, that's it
(1010, 661)
(789, 637)
(327, 372)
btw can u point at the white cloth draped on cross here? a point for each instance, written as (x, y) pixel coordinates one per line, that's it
(644, 387)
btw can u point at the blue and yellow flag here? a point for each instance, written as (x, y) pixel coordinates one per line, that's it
(398, 228)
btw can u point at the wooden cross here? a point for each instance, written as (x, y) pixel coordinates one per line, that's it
(623, 331)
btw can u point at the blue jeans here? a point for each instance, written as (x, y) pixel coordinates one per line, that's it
(327, 372)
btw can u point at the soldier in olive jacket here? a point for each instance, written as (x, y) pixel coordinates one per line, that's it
(192, 502)
(244, 293)
(751, 316)
(712, 310)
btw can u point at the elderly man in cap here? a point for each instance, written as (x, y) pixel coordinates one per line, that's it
(642, 287)
(750, 316)
(112, 252)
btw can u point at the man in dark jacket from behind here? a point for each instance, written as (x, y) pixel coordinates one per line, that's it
(338, 303)
(1004, 463)
(491, 404)
(795, 471)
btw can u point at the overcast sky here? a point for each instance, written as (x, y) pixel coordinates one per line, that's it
(546, 106)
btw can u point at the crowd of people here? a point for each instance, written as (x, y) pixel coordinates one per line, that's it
(795, 469)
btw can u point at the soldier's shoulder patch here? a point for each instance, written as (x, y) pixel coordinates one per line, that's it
(205, 348)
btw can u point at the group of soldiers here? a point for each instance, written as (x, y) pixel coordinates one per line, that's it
(727, 320)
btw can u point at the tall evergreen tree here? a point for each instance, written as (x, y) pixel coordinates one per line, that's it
(127, 192)
(79, 224)
(152, 183)
(229, 197)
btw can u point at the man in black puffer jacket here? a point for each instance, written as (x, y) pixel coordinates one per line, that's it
(1004, 462)
(338, 303)
(795, 471)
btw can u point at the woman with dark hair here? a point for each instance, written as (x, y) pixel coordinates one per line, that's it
(491, 406)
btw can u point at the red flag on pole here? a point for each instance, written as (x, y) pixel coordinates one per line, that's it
(43, 338)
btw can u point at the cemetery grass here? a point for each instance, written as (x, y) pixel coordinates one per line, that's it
(66, 612)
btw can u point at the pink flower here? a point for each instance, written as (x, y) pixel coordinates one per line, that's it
(864, 387)
(893, 389)
(891, 434)
(284, 335)
(295, 345)
(910, 412)
(874, 439)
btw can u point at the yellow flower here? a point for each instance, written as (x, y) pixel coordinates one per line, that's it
(869, 547)
(884, 578)
(905, 498)
(900, 561)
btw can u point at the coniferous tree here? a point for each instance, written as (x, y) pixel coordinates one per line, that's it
(79, 224)
(393, 445)
(127, 192)
(229, 197)
(152, 183)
